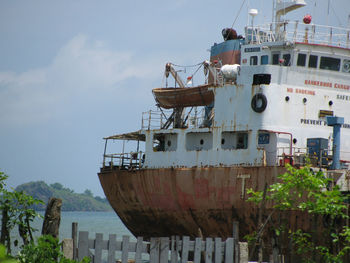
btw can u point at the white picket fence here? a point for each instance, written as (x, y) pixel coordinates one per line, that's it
(160, 250)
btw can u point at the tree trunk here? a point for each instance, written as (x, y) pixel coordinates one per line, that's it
(23, 233)
(5, 231)
(52, 217)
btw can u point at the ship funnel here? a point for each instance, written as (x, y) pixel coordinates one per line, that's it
(336, 122)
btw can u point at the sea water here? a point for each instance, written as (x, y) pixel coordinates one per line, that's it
(93, 222)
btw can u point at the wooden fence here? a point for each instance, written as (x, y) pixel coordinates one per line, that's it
(161, 250)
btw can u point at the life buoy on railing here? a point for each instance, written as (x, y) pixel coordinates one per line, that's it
(259, 102)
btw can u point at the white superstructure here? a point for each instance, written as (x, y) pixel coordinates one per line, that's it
(268, 109)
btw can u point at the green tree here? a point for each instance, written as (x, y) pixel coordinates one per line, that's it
(311, 192)
(57, 186)
(88, 193)
(16, 211)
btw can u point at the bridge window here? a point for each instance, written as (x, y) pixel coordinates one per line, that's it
(301, 60)
(275, 59)
(264, 60)
(330, 63)
(313, 61)
(254, 60)
(286, 59)
(234, 140)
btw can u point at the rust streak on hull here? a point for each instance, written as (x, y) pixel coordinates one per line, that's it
(164, 202)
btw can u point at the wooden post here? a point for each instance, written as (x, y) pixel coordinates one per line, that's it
(67, 248)
(52, 218)
(83, 245)
(235, 235)
(139, 249)
(154, 250)
(75, 239)
(235, 230)
(185, 249)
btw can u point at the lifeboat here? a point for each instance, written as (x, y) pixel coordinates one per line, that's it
(169, 98)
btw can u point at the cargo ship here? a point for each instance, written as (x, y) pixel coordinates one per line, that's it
(279, 94)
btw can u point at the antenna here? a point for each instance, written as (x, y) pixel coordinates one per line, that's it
(253, 13)
(329, 3)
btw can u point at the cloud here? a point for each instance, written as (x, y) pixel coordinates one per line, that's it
(87, 64)
(81, 67)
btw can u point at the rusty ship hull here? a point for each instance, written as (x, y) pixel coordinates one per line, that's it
(184, 201)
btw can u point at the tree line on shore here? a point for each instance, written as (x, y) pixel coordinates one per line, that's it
(17, 212)
(71, 201)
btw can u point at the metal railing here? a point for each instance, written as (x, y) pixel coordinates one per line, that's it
(153, 119)
(294, 31)
(300, 156)
(125, 161)
(156, 119)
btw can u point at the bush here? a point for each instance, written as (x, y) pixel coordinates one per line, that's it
(4, 258)
(312, 192)
(47, 250)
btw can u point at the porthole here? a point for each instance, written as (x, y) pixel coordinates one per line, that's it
(201, 141)
(287, 98)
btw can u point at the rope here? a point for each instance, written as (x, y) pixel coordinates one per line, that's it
(165, 79)
(238, 14)
(189, 66)
(336, 15)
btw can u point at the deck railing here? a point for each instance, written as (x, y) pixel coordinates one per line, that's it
(294, 31)
(299, 157)
(132, 160)
(153, 119)
(157, 119)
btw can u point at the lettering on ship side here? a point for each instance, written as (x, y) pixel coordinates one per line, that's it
(320, 123)
(318, 83)
(343, 97)
(327, 84)
(301, 91)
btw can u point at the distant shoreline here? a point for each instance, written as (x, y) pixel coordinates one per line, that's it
(71, 201)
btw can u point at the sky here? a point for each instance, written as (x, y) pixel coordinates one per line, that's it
(75, 71)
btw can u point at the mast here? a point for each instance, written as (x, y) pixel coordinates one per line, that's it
(282, 8)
